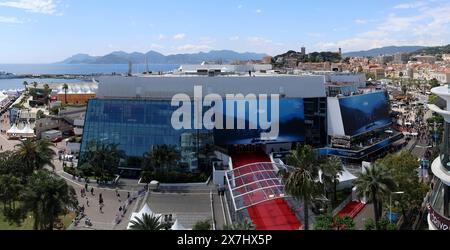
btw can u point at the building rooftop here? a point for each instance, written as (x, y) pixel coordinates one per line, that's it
(166, 86)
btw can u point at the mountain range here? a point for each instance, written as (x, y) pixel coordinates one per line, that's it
(153, 57)
(390, 50)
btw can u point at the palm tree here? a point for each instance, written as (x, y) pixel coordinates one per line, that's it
(331, 169)
(35, 155)
(48, 197)
(161, 158)
(148, 222)
(375, 183)
(47, 92)
(65, 87)
(35, 84)
(300, 182)
(25, 84)
(103, 158)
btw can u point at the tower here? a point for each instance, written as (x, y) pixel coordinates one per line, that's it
(130, 68)
(303, 51)
(340, 51)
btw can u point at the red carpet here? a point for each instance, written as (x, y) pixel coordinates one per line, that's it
(352, 209)
(270, 215)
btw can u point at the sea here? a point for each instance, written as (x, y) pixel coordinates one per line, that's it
(21, 69)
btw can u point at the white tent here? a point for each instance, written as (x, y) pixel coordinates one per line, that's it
(28, 130)
(177, 226)
(13, 130)
(346, 179)
(145, 210)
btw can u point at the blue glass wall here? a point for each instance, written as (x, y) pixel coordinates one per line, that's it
(136, 125)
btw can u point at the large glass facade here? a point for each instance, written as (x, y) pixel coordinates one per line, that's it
(137, 125)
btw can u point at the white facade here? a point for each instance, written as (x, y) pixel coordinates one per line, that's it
(166, 86)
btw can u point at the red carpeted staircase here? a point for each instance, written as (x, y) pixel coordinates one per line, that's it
(270, 215)
(352, 209)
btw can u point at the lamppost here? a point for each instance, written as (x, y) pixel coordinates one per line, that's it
(390, 204)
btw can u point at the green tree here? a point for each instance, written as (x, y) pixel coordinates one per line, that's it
(48, 197)
(40, 114)
(35, 155)
(160, 159)
(25, 84)
(369, 224)
(35, 84)
(47, 92)
(65, 87)
(10, 190)
(103, 158)
(202, 225)
(403, 170)
(375, 183)
(434, 83)
(331, 169)
(10, 164)
(344, 223)
(324, 222)
(300, 182)
(148, 222)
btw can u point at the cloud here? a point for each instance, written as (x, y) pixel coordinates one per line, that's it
(234, 38)
(427, 27)
(263, 42)
(179, 36)
(239, 6)
(411, 5)
(194, 47)
(35, 6)
(161, 37)
(10, 20)
(361, 21)
(258, 11)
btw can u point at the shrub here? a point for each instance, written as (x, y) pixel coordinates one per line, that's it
(202, 225)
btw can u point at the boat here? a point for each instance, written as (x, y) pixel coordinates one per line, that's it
(6, 75)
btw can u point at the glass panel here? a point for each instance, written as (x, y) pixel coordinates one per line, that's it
(137, 125)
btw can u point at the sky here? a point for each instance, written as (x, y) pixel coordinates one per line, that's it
(46, 31)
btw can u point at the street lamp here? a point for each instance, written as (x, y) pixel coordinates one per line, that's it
(390, 204)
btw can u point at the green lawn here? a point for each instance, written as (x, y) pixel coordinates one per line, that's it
(26, 225)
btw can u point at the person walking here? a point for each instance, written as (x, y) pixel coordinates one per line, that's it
(118, 197)
(86, 186)
(92, 190)
(87, 201)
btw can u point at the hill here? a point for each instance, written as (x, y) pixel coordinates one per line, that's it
(390, 50)
(120, 57)
(284, 60)
(433, 50)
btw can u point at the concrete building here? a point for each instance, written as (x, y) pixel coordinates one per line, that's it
(401, 58)
(426, 59)
(439, 201)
